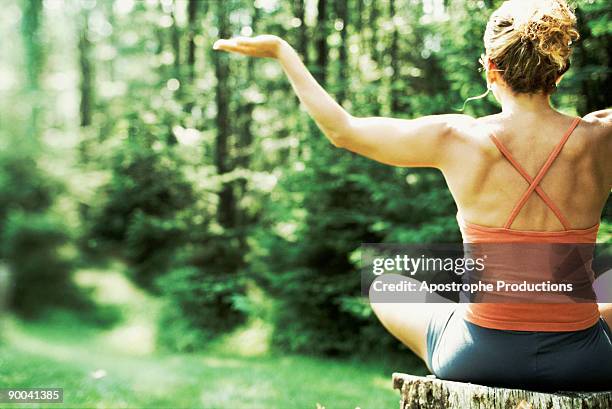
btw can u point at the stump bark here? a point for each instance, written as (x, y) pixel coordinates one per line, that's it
(4, 286)
(431, 393)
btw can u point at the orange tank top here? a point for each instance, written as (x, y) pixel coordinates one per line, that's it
(531, 316)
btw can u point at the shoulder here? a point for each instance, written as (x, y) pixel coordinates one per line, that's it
(458, 122)
(599, 124)
(472, 131)
(465, 131)
(469, 138)
(459, 126)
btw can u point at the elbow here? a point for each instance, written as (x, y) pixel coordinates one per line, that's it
(337, 139)
(340, 135)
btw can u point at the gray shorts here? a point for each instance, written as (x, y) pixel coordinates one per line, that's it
(458, 350)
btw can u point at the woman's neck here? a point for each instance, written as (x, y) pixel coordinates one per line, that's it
(525, 104)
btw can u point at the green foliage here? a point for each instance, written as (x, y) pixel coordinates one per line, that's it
(23, 186)
(33, 247)
(149, 244)
(34, 242)
(347, 201)
(201, 301)
(142, 214)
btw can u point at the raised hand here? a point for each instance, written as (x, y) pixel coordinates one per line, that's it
(265, 45)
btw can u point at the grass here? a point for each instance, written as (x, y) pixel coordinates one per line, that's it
(118, 368)
(39, 355)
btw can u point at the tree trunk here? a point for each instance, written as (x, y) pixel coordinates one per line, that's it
(226, 208)
(342, 14)
(176, 44)
(302, 38)
(245, 133)
(192, 18)
(30, 31)
(321, 42)
(359, 20)
(5, 288)
(373, 23)
(396, 86)
(430, 393)
(113, 40)
(86, 84)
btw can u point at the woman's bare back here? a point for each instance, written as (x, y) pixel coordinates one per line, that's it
(486, 186)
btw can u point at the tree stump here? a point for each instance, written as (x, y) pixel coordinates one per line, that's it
(431, 393)
(4, 286)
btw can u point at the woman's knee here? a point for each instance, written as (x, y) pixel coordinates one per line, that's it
(408, 322)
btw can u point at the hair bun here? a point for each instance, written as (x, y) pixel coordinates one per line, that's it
(551, 26)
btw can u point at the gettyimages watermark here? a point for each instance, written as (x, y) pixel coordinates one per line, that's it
(487, 273)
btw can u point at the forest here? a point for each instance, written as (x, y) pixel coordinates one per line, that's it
(162, 200)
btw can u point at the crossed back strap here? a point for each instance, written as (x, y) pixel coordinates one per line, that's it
(534, 184)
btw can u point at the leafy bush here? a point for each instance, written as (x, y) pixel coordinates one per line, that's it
(32, 246)
(177, 332)
(23, 186)
(32, 239)
(200, 306)
(150, 245)
(142, 214)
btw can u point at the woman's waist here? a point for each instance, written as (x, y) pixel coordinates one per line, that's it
(530, 273)
(533, 316)
(476, 233)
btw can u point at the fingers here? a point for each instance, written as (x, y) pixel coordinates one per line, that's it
(222, 44)
(230, 45)
(250, 46)
(245, 40)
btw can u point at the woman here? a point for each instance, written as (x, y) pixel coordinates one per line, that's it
(529, 173)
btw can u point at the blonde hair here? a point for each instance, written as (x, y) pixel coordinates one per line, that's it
(530, 42)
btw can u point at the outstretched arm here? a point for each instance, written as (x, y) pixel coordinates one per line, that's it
(331, 118)
(399, 142)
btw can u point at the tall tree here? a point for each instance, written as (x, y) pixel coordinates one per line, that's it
(176, 42)
(374, 25)
(31, 35)
(342, 13)
(396, 84)
(226, 210)
(359, 19)
(245, 134)
(302, 38)
(86, 71)
(192, 16)
(321, 42)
